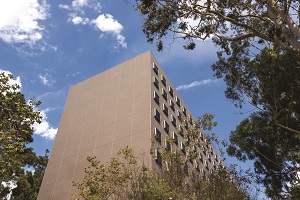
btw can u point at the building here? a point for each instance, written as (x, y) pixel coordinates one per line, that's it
(123, 106)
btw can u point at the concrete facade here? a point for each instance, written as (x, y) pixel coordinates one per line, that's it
(123, 106)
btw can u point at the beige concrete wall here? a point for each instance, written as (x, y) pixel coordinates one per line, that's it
(102, 114)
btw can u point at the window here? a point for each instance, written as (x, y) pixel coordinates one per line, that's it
(184, 111)
(166, 126)
(201, 157)
(177, 101)
(163, 80)
(178, 114)
(206, 164)
(155, 82)
(171, 91)
(175, 138)
(173, 119)
(156, 115)
(168, 146)
(190, 119)
(186, 125)
(158, 158)
(165, 109)
(156, 97)
(182, 147)
(195, 148)
(155, 68)
(180, 129)
(157, 134)
(201, 136)
(172, 106)
(164, 94)
(216, 158)
(208, 157)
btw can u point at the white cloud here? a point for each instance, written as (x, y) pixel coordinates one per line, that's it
(79, 3)
(46, 79)
(79, 20)
(17, 80)
(44, 129)
(106, 23)
(63, 6)
(196, 84)
(19, 20)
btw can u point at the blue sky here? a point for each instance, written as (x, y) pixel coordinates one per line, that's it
(51, 45)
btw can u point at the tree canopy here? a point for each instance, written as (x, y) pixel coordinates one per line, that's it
(228, 21)
(16, 119)
(259, 60)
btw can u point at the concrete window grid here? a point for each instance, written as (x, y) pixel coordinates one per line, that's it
(181, 108)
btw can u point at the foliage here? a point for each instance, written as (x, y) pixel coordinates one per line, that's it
(16, 120)
(270, 82)
(29, 182)
(275, 152)
(260, 20)
(176, 176)
(259, 61)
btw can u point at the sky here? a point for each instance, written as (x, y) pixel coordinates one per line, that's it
(51, 45)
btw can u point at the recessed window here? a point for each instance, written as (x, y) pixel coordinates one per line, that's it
(175, 138)
(156, 115)
(155, 68)
(195, 148)
(168, 145)
(166, 127)
(163, 80)
(180, 129)
(184, 111)
(157, 134)
(165, 109)
(172, 105)
(206, 165)
(164, 94)
(190, 119)
(182, 147)
(171, 91)
(157, 157)
(173, 119)
(178, 114)
(177, 100)
(201, 136)
(186, 125)
(200, 157)
(156, 97)
(208, 157)
(155, 82)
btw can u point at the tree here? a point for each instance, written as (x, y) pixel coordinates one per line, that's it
(178, 177)
(29, 182)
(270, 81)
(228, 21)
(16, 120)
(275, 152)
(259, 61)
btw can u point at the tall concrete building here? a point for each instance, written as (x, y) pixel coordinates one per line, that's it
(123, 106)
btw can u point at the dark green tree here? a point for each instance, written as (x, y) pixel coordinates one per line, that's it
(16, 119)
(227, 21)
(29, 182)
(275, 152)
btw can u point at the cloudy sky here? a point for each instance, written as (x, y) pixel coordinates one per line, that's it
(51, 45)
